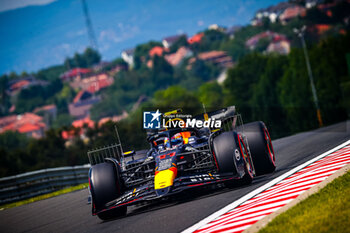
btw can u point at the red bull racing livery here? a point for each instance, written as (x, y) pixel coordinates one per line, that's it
(179, 159)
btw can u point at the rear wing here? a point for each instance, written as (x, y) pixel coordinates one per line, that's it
(99, 155)
(220, 114)
(229, 117)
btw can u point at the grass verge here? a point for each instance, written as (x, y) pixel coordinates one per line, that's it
(325, 211)
(45, 196)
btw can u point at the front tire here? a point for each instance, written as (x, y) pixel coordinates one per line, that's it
(226, 146)
(105, 187)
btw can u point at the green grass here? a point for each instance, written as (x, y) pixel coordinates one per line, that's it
(325, 211)
(45, 196)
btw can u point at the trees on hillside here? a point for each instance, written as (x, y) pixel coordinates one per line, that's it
(88, 58)
(4, 97)
(176, 97)
(277, 89)
(211, 95)
(37, 95)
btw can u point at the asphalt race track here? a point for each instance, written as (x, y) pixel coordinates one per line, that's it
(71, 213)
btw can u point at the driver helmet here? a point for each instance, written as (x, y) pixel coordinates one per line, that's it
(176, 140)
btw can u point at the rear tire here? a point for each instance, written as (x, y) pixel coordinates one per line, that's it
(106, 187)
(260, 147)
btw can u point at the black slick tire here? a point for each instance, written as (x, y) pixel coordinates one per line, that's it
(105, 187)
(260, 147)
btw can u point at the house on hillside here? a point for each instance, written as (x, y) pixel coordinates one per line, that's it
(16, 85)
(319, 29)
(176, 58)
(170, 40)
(82, 103)
(93, 83)
(252, 42)
(272, 13)
(219, 58)
(6, 120)
(81, 125)
(128, 56)
(79, 129)
(74, 73)
(196, 38)
(157, 50)
(216, 28)
(28, 123)
(291, 13)
(281, 46)
(85, 122)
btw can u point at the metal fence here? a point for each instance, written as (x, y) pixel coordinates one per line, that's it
(31, 184)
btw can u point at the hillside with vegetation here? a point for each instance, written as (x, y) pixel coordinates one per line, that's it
(264, 72)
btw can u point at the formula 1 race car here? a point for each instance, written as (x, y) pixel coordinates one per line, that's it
(179, 159)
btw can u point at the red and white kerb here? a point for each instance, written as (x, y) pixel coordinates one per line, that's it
(281, 191)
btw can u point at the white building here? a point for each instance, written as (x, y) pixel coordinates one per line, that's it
(128, 56)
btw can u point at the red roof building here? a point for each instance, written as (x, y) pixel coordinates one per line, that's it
(73, 73)
(16, 85)
(27, 123)
(196, 38)
(82, 122)
(78, 129)
(170, 40)
(82, 103)
(69, 134)
(81, 96)
(174, 59)
(157, 50)
(219, 58)
(322, 28)
(19, 85)
(93, 83)
(292, 12)
(49, 107)
(273, 36)
(279, 46)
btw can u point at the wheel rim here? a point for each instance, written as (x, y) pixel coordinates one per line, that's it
(246, 158)
(269, 146)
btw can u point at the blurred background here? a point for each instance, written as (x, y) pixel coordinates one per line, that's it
(72, 69)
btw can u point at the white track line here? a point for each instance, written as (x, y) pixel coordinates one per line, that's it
(252, 194)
